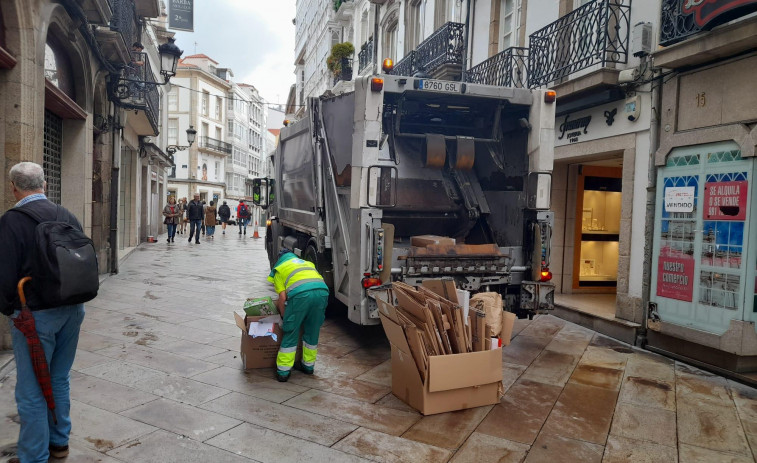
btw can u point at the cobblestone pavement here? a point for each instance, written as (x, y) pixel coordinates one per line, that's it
(158, 378)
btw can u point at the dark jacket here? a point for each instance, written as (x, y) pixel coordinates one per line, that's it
(194, 210)
(16, 246)
(224, 212)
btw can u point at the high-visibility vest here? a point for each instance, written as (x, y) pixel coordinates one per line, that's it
(294, 272)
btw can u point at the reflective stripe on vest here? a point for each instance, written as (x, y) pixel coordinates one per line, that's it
(300, 272)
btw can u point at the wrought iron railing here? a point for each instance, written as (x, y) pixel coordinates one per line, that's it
(215, 144)
(124, 20)
(365, 57)
(345, 71)
(444, 46)
(675, 25)
(137, 89)
(595, 33)
(405, 66)
(509, 68)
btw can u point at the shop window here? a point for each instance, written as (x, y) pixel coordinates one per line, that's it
(599, 205)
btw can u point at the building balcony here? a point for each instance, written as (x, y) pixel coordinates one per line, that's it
(346, 71)
(591, 38)
(365, 57)
(97, 11)
(215, 145)
(133, 93)
(440, 55)
(115, 41)
(508, 68)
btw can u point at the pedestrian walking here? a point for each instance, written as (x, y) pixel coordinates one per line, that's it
(182, 218)
(303, 297)
(210, 219)
(45, 317)
(224, 212)
(172, 215)
(195, 216)
(243, 216)
(203, 219)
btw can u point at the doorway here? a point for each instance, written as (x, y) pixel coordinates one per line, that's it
(597, 229)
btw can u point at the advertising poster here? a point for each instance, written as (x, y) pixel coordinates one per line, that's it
(725, 200)
(181, 15)
(675, 277)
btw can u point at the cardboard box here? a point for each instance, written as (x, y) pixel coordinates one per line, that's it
(260, 306)
(422, 241)
(452, 382)
(257, 352)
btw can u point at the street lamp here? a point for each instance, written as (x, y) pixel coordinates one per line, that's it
(133, 78)
(191, 135)
(169, 59)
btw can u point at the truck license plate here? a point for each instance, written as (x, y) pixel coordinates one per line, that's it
(439, 85)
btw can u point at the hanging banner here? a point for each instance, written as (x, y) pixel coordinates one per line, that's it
(679, 199)
(181, 15)
(725, 200)
(675, 277)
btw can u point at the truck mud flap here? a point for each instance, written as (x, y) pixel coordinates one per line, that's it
(537, 296)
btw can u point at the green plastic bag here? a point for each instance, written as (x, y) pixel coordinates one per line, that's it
(257, 306)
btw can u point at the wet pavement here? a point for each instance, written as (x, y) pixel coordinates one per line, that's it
(158, 378)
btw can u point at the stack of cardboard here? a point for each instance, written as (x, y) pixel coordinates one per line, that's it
(443, 358)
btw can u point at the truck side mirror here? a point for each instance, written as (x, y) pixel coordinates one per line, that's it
(382, 186)
(260, 193)
(539, 190)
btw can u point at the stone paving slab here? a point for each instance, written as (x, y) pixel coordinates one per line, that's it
(158, 378)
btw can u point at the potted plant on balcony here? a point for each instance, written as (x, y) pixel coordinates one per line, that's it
(339, 62)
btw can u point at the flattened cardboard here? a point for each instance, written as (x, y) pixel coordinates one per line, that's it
(424, 240)
(508, 323)
(457, 371)
(389, 310)
(444, 287)
(394, 333)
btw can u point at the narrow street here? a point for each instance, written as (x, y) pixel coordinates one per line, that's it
(158, 378)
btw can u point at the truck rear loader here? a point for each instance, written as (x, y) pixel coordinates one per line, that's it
(397, 157)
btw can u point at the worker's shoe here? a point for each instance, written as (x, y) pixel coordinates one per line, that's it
(282, 377)
(305, 369)
(58, 451)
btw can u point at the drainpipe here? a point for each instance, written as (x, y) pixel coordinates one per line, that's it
(649, 216)
(376, 64)
(114, 174)
(466, 35)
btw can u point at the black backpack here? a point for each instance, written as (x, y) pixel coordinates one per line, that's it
(243, 211)
(64, 268)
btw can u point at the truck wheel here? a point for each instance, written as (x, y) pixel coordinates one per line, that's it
(311, 254)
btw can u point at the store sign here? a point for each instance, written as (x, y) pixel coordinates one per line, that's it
(181, 15)
(679, 199)
(575, 128)
(725, 200)
(708, 11)
(675, 277)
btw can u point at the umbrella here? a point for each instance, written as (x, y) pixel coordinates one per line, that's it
(25, 324)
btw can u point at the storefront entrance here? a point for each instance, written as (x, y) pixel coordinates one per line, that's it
(597, 228)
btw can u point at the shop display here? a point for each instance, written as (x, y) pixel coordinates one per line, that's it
(600, 229)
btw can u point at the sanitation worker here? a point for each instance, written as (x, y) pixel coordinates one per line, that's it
(303, 297)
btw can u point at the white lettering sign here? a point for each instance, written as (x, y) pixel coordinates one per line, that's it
(679, 199)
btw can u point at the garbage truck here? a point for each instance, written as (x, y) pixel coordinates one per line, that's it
(364, 173)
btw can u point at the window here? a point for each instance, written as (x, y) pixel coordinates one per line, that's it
(218, 133)
(173, 99)
(231, 128)
(173, 131)
(230, 97)
(218, 170)
(205, 102)
(205, 132)
(218, 108)
(413, 25)
(507, 25)
(390, 40)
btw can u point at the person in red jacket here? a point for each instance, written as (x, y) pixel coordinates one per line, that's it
(243, 216)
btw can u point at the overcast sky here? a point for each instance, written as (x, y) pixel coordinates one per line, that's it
(255, 38)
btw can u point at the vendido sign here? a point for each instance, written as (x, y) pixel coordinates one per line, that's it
(181, 15)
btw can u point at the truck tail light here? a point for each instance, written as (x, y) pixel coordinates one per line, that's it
(546, 275)
(377, 84)
(371, 282)
(268, 222)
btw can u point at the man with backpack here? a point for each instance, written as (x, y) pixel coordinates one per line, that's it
(243, 216)
(44, 241)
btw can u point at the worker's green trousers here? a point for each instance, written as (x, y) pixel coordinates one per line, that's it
(305, 311)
